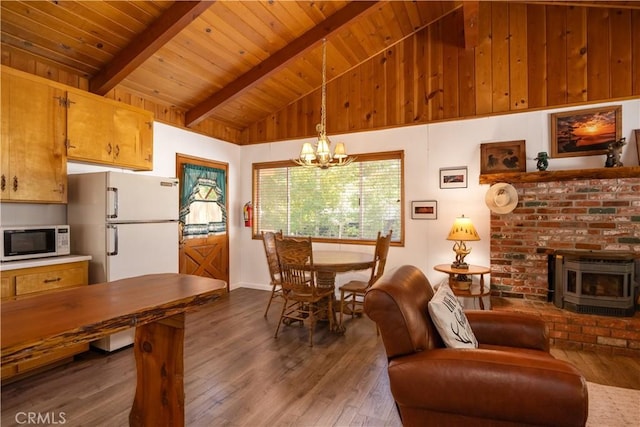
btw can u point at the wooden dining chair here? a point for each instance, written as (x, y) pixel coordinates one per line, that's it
(303, 300)
(352, 292)
(269, 242)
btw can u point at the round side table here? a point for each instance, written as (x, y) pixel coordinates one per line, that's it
(455, 272)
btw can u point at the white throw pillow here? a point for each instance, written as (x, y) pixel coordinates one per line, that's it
(451, 322)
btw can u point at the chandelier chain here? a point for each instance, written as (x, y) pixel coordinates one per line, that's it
(322, 156)
(323, 107)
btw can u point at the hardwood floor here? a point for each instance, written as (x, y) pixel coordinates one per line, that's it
(617, 371)
(237, 374)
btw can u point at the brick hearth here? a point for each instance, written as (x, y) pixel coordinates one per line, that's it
(602, 334)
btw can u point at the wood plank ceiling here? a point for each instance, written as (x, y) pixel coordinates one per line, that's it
(235, 62)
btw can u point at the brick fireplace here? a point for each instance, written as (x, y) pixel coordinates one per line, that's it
(557, 215)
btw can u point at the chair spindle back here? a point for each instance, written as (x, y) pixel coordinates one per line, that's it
(296, 264)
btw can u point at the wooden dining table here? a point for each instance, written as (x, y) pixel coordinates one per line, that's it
(330, 262)
(341, 261)
(155, 304)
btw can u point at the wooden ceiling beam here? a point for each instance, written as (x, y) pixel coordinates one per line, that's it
(277, 60)
(163, 29)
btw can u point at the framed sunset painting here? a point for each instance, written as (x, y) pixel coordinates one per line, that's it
(585, 132)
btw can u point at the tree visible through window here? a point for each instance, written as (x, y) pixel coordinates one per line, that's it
(348, 203)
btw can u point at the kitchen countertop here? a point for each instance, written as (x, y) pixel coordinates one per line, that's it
(40, 262)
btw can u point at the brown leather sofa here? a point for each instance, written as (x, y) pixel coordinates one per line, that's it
(510, 379)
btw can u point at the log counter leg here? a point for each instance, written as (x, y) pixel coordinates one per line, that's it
(156, 302)
(159, 398)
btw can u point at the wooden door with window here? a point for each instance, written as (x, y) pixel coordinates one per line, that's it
(204, 235)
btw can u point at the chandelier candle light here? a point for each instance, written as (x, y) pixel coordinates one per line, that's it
(321, 157)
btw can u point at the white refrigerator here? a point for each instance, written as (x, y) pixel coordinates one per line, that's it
(128, 223)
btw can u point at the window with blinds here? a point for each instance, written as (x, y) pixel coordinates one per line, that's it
(349, 203)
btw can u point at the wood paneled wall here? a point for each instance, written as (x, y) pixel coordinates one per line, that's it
(528, 56)
(163, 113)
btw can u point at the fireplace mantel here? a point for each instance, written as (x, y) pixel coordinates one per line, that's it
(564, 175)
(616, 255)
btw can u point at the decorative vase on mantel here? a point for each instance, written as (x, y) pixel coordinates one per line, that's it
(614, 151)
(543, 161)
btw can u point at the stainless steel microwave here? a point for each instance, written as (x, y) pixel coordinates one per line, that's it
(34, 242)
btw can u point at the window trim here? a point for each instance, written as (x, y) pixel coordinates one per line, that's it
(367, 157)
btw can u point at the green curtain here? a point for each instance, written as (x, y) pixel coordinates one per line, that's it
(202, 185)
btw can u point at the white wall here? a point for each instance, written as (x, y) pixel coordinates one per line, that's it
(427, 149)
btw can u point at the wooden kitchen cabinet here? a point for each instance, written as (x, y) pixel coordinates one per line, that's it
(107, 132)
(6, 286)
(26, 282)
(34, 161)
(44, 123)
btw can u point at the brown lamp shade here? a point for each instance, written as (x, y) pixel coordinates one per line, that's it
(463, 230)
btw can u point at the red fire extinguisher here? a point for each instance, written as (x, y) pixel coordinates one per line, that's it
(248, 214)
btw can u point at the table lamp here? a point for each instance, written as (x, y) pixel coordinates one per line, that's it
(462, 231)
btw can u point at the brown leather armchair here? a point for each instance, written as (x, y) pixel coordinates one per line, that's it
(510, 379)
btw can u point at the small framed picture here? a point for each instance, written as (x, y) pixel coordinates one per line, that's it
(585, 132)
(508, 156)
(453, 177)
(425, 209)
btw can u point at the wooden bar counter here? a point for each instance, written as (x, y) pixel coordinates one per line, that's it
(155, 304)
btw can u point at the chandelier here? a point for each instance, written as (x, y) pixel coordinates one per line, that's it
(321, 155)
